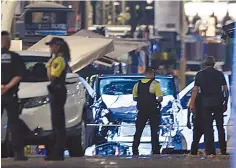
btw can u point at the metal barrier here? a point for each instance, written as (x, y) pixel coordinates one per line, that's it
(119, 125)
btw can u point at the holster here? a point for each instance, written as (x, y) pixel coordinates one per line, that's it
(55, 88)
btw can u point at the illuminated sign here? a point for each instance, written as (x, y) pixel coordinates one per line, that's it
(46, 26)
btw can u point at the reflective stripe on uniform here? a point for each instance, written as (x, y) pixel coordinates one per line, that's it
(189, 102)
(57, 66)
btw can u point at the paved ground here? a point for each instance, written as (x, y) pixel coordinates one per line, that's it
(158, 161)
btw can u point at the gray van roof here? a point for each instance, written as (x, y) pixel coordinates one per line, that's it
(33, 53)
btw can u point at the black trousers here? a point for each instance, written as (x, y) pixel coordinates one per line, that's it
(211, 113)
(143, 116)
(219, 118)
(10, 104)
(198, 131)
(57, 102)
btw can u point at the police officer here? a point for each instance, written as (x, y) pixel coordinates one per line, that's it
(215, 96)
(13, 69)
(197, 124)
(57, 68)
(148, 95)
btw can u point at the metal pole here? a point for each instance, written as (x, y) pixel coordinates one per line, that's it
(113, 13)
(82, 13)
(123, 10)
(182, 75)
(86, 14)
(103, 13)
(94, 14)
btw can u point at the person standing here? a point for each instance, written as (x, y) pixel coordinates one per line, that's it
(57, 68)
(148, 95)
(13, 69)
(215, 96)
(197, 118)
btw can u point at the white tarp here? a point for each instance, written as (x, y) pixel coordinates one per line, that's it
(16, 45)
(121, 49)
(121, 46)
(83, 50)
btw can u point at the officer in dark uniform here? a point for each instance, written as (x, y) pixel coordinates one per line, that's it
(13, 69)
(197, 124)
(215, 94)
(57, 68)
(148, 95)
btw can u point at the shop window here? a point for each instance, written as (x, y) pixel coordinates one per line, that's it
(48, 17)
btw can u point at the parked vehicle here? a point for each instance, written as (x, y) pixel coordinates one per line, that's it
(184, 96)
(35, 110)
(116, 92)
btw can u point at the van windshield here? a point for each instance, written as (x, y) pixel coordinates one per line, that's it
(35, 68)
(124, 86)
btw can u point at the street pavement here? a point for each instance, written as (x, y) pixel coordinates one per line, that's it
(156, 161)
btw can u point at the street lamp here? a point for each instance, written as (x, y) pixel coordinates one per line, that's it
(149, 1)
(220, 11)
(204, 9)
(232, 11)
(116, 3)
(191, 11)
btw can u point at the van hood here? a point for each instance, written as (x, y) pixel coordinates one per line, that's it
(125, 103)
(36, 89)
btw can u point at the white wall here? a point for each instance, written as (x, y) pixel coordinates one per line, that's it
(167, 12)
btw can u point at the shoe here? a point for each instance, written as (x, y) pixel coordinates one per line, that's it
(211, 156)
(20, 155)
(53, 158)
(201, 153)
(224, 153)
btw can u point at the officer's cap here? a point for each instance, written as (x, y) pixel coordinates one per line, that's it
(56, 40)
(150, 70)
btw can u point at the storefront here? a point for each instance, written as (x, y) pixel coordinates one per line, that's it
(205, 21)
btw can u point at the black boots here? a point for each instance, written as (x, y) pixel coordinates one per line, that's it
(20, 155)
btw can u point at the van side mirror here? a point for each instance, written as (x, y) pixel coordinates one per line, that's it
(89, 99)
(71, 78)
